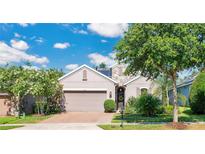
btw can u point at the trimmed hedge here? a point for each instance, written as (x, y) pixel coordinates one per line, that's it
(197, 94)
(109, 105)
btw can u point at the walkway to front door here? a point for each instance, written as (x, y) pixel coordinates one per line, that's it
(80, 117)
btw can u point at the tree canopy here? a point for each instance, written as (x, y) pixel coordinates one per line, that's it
(154, 49)
(19, 82)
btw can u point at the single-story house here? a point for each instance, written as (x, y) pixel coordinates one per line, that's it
(85, 88)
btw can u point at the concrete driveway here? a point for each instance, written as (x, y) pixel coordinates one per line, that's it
(71, 121)
(80, 117)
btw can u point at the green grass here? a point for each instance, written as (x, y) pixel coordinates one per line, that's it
(151, 127)
(132, 127)
(27, 119)
(8, 127)
(184, 116)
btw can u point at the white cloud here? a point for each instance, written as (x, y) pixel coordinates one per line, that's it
(17, 35)
(96, 59)
(30, 67)
(26, 24)
(33, 37)
(9, 55)
(44, 65)
(103, 41)
(61, 45)
(23, 24)
(39, 40)
(71, 66)
(80, 32)
(108, 30)
(20, 45)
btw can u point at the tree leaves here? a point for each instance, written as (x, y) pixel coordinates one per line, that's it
(19, 82)
(155, 48)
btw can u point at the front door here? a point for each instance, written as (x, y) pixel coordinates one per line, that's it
(120, 96)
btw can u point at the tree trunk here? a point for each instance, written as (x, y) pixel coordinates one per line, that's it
(164, 95)
(167, 96)
(175, 112)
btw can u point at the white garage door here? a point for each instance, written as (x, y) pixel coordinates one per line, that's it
(81, 101)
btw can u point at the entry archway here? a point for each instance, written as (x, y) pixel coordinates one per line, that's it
(120, 96)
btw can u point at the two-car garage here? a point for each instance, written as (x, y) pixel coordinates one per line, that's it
(83, 101)
(86, 89)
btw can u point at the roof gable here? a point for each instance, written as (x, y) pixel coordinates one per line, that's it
(133, 79)
(95, 71)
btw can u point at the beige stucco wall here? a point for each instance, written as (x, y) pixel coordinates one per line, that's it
(133, 88)
(118, 74)
(94, 81)
(4, 107)
(7, 108)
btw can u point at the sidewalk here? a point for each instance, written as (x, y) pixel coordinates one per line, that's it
(56, 126)
(77, 126)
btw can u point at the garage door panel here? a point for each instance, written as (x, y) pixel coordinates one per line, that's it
(85, 101)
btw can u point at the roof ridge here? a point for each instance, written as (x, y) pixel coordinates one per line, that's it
(84, 65)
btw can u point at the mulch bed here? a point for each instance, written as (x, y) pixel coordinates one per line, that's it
(177, 125)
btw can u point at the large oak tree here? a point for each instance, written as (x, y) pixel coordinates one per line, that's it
(154, 49)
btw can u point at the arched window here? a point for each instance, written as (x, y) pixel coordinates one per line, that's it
(85, 75)
(144, 91)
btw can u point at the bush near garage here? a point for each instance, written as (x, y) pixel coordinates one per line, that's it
(109, 105)
(197, 94)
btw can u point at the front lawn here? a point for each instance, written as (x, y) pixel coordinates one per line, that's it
(8, 127)
(151, 127)
(184, 116)
(26, 119)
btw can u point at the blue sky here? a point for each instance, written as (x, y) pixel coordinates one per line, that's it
(62, 46)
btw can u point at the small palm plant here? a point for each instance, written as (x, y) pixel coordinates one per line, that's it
(163, 84)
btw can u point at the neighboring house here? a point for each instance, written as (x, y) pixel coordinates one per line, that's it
(6, 107)
(183, 89)
(85, 88)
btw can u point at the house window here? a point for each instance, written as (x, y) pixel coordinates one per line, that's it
(85, 75)
(110, 94)
(144, 91)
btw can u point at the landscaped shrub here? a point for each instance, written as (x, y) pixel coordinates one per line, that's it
(197, 94)
(168, 109)
(52, 108)
(198, 102)
(131, 105)
(148, 105)
(109, 105)
(39, 107)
